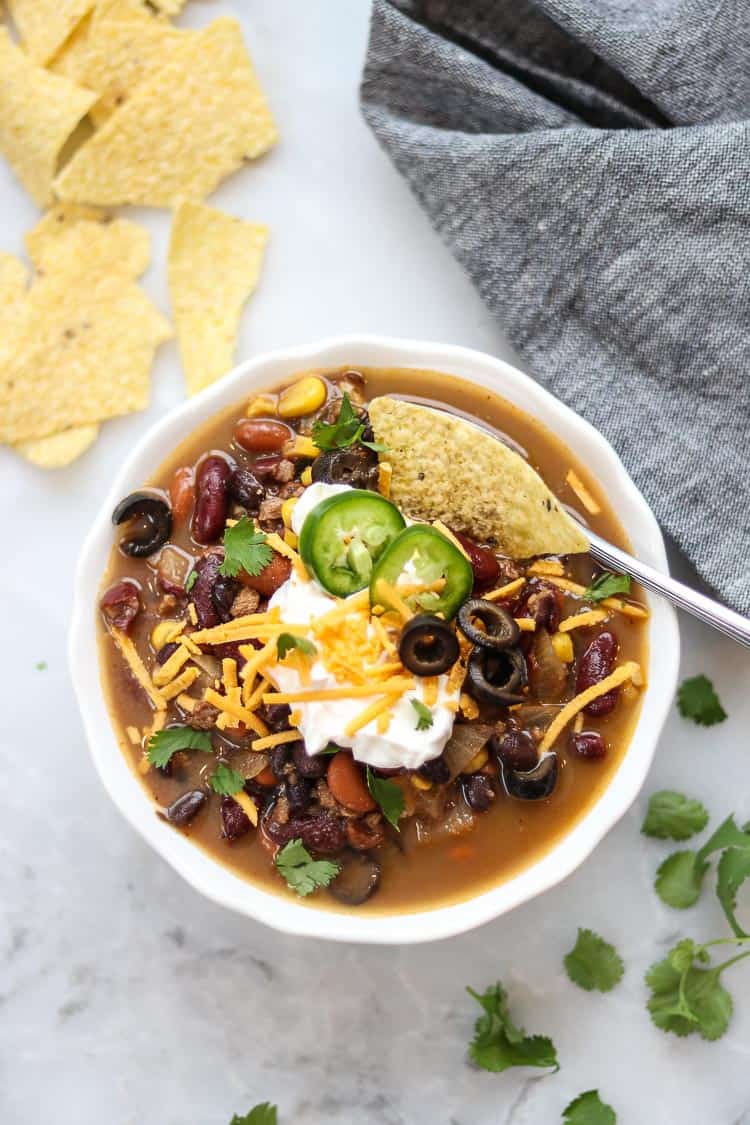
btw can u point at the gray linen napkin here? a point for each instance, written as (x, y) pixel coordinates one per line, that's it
(588, 161)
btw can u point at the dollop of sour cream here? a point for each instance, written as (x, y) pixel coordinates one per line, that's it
(323, 722)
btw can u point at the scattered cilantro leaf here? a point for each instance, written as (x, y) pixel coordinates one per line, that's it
(225, 781)
(388, 795)
(346, 430)
(593, 963)
(264, 1114)
(607, 585)
(672, 816)
(697, 700)
(165, 743)
(498, 1044)
(245, 548)
(424, 714)
(686, 997)
(41, 666)
(286, 642)
(192, 578)
(679, 879)
(733, 870)
(304, 874)
(589, 1109)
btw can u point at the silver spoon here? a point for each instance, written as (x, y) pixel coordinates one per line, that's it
(732, 624)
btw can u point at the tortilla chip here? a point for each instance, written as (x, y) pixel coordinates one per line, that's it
(58, 450)
(38, 112)
(181, 131)
(74, 238)
(168, 7)
(122, 54)
(13, 283)
(213, 266)
(449, 469)
(44, 25)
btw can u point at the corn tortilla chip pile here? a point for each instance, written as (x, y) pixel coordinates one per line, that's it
(446, 468)
(214, 265)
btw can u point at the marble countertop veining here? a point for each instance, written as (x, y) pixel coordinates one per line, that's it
(125, 997)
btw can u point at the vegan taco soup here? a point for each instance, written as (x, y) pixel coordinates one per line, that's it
(355, 647)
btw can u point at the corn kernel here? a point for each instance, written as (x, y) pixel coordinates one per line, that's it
(301, 447)
(420, 782)
(286, 510)
(385, 473)
(291, 539)
(302, 398)
(563, 646)
(165, 632)
(306, 476)
(261, 407)
(469, 707)
(477, 761)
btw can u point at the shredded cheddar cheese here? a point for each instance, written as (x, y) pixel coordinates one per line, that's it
(387, 593)
(446, 531)
(234, 708)
(506, 591)
(138, 668)
(469, 707)
(378, 707)
(583, 620)
(272, 740)
(187, 703)
(276, 543)
(547, 567)
(169, 669)
(629, 609)
(192, 614)
(628, 671)
(181, 683)
(395, 686)
(430, 690)
(248, 806)
(526, 624)
(576, 485)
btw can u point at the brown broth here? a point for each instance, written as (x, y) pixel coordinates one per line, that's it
(512, 834)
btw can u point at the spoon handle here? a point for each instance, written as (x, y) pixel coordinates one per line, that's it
(732, 624)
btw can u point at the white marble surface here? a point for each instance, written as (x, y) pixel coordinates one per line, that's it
(125, 998)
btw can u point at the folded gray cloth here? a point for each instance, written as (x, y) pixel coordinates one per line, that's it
(588, 161)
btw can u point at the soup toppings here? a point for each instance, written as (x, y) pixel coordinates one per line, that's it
(357, 626)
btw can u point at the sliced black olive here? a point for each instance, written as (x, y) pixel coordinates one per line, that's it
(357, 879)
(496, 677)
(356, 465)
(155, 518)
(501, 630)
(428, 645)
(532, 785)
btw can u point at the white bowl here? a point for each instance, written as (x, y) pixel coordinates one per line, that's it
(200, 869)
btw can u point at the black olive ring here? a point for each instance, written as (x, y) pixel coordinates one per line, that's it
(496, 676)
(156, 517)
(428, 646)
(501, 629)
(534, 784)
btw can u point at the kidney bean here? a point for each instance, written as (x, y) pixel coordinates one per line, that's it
(478, 792)
(588, 744)
(245, 488)
(121, 604)
(270, 578)
(234, 820)
(321, 833)
(265, 468)
(212, 499)
(261, 435)
(347, 784)
(595, 665)
(207, 569)
(483, 562)
(223, 593)
(182, 493)
(186, 807)
(308, 765)
(515, 749)
(166, 651)
(436, 770)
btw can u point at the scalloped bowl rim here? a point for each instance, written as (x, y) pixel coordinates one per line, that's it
(196, 866)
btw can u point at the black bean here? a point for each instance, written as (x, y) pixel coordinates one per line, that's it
(277, 759)
(166, 651)
(436, 770)
(478, 792)
(223, 593)
(245, 488)
(275, 716)
(234, 820)
(298, 795)
(308, 765)
(516, 749)
(182, 811)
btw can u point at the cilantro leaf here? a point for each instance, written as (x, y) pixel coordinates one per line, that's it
(686, 997)
(733, 870)
(225, 781)
(377, 446)
(264, 1114)
(286, 642)
(245, 548)
(424, 714)
(346, 430)
(192, 578)
(593, 963)
(388, 795)
(697, 700)
(673, 816)
(304, 874)
(607, 585)
(498, 1044)
(589, 1109)
(165, 743)
(679, 880)
(41, 666)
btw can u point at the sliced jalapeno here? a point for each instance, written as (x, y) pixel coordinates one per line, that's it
(344, 535)
(422, 557)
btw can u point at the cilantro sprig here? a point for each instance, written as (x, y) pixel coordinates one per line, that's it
(424, 714)
(245, 548)
(345, 431)
(304, 874)
(672, 816)
(226, 781)
(263, 1114)
(686, 991)
(388, 795)
(589, 1109)
(679, 879)
(288, 642)
(499, 1044)
(607, 585)
(593, 963)
(165, 743)
(697, 700)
